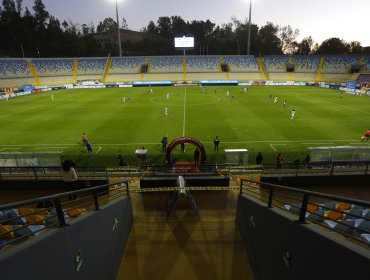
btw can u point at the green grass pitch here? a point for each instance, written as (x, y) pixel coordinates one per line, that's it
(55, 121)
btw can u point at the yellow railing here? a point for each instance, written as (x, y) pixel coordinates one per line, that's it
(34, 72)
(75, 68)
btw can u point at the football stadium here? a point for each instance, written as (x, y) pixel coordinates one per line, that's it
(184, 163)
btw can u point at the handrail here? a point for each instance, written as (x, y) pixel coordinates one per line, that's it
(55, 211)
(302, 208)
(57, 196)
(318, 194)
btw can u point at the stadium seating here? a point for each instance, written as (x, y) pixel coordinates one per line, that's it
(275, 63)
(364, 78)
(339, 63)
(14, 68)
(53, 67)
(91, 66)
(306, 63)
(126, 64)
(239, 63)
(203, 64)
(165, 64)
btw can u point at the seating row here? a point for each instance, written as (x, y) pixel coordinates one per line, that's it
(25, 222)
(344, 217)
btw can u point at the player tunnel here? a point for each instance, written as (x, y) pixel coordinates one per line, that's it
(186, 140)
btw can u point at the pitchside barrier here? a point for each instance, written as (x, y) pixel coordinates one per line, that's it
(20, 159)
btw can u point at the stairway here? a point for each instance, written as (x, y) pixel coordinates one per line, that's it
(264, 73)
(107, 68)
(34, 72)
(318, 76)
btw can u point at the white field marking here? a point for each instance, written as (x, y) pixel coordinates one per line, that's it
(217, 99)
(157, 143)
(183, 125)
(52, 148)
(317, 143)
(99, 149)
(273, 146)
(9, 149)
(37, 145)
(348, 106)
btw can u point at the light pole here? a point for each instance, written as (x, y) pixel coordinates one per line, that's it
(118, 31)
(249, 28)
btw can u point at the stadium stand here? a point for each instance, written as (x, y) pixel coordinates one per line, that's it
(14, 68)
(306, 63)
(165, 64)
(339, 63)
(241, 63)
(126, 64)
(54, 71)
(203, 64)
(275, 63)
(53, 67)
(91, 66)
(364, 78)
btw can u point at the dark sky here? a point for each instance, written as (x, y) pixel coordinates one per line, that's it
(322, 19)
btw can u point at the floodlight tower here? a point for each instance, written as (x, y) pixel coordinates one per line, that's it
(118, 31)
(249, 28)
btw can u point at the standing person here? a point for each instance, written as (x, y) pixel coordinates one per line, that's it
(168, 96)
(259, 158)
(89, 149)
(182, 147)
(292, 114)
(270, 95)
(84, 139)
(196, 156)
(69, 176)
(279, 161)
(227, 93)
(164, 142)
(165, 111)
(284, 104)
(216, 142)
(275, 99)
(120, 160)
(367, 134)
(52, 97)
(124, 99)
(307, 160)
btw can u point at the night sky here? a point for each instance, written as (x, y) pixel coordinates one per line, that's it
(322, 19)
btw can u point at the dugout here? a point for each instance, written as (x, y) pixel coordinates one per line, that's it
(339, 153)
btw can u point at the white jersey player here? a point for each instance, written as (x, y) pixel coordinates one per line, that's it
(292, 114)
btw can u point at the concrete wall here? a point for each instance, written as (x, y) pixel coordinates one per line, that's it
(279, 247)
(99, 238)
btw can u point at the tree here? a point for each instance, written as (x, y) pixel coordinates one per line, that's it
(108, 25)
(354, 47)
(41, 15)
(19, 6)
(268, 41)
(287, 36)
(304, 47)
(333, 46)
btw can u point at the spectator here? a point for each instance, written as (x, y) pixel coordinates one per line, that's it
(259, 158)
(164, 142)
(69, 176)
(279, 161)
(196, 156)
(120, 160)
(307, 160)
(182, 147)
(216, 141)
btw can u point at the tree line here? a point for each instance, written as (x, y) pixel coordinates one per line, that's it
(37, 33)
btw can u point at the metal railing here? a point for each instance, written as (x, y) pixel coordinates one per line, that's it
(322, 209)
(24, 219)
(286, 169)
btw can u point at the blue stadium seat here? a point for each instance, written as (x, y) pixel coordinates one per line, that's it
(203, 64)
(276, 63)
(242, 63)
(165, 64)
